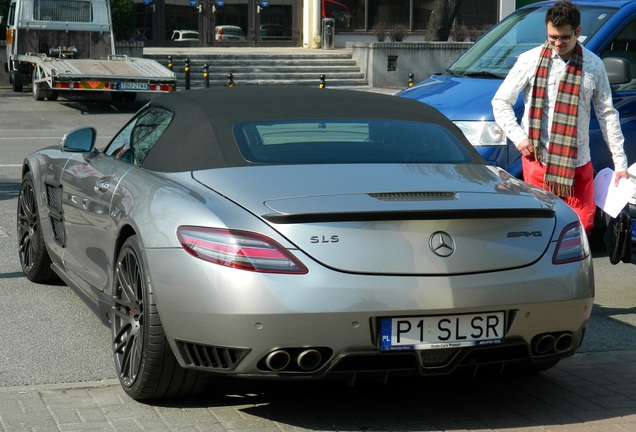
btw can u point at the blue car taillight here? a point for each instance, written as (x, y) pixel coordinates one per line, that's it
(572, 245)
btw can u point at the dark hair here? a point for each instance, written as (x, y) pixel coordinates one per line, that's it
(563, 13)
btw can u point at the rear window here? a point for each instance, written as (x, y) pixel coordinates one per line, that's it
(348, 141)
(62, 10)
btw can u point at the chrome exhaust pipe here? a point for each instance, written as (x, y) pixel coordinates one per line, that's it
(564, 342)
(309, 359)
(543, 344)
(277, 360)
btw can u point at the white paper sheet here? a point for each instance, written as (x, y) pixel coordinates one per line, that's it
(611, 199)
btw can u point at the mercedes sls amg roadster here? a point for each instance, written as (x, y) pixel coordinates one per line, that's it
(301, 233)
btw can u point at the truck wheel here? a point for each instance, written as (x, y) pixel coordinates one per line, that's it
(130, 97)
(16, 81)
(38, 92)
(52, 95)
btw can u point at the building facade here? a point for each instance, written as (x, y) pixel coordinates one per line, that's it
(296, 23)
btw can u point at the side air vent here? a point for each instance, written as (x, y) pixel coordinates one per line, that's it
(53, 197)
(211, 357)
(414, 196)
(57, 229)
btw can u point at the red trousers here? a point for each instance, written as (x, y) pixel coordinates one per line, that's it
(582, 198)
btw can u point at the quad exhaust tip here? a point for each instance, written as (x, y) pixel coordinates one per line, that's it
(309, 359)
(304, 359)
(277, 360)
(552, 343)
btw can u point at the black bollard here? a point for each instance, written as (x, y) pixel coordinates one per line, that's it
(206, 76)
(322, 84)
(170, 64)
(411, 82)
(187, 74)
(230, 80)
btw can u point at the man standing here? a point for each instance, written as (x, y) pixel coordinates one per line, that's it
(559, 80)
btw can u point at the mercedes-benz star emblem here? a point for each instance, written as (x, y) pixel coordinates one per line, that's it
(442, 244)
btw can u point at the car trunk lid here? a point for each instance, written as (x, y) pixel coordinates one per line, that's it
(388, 220)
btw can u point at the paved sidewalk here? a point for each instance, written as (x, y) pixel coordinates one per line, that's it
(587, 392)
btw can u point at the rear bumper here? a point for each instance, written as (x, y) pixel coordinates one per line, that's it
(229, 322)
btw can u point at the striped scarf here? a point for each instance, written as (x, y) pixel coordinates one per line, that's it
(562, 152)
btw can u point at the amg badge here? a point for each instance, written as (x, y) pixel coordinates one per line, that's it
(525, 234)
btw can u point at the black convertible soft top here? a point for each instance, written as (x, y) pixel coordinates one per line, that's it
(200, 134)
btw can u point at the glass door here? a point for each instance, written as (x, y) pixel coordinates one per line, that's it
(231, 20)
(277, 23)
(251, 22)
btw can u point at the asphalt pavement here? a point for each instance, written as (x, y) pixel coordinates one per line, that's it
(587, 392)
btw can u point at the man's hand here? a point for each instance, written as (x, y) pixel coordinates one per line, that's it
(619, 175)
(525, 148)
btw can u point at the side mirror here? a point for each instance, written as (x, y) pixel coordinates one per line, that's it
(79, 140)
(618, 70)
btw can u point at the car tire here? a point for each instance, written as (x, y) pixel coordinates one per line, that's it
(38, 92)
(144, 361)
(34, 257)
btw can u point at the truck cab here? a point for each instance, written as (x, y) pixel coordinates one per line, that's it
(57, 46)
(465, 90)
(60, 29)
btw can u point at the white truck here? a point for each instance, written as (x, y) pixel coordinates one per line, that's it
(69, 46)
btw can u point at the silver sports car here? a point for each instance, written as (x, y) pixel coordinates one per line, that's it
(299, 233)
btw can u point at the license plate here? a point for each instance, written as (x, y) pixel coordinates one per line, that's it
(132, 86)
(634, 230)
(434, 332)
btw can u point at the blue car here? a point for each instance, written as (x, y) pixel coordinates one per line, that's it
(465, 90)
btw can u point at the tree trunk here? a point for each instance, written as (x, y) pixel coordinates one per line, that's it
(442, 18)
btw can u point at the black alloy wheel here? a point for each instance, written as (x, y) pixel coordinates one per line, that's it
(34, 257)
(144, 361)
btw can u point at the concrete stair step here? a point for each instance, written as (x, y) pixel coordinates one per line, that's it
(297, 75)
(308, 82)
(264, 69)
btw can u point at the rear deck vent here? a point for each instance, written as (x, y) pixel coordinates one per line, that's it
(414, 196)
(211, 357)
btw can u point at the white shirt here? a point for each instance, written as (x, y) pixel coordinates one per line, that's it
(595, 88)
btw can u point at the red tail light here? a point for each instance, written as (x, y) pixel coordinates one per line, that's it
(239, 249)
(572, 245)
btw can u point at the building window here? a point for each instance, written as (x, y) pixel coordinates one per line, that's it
(362, 15)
